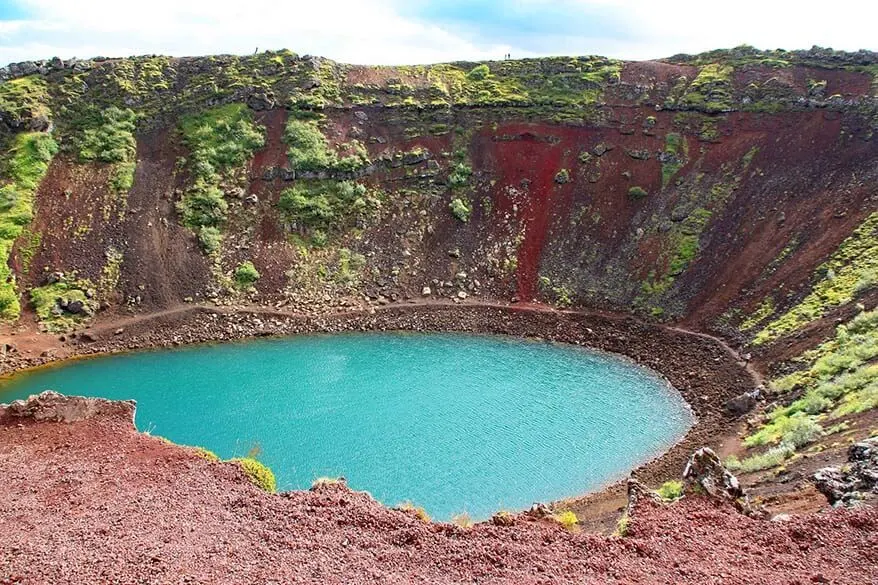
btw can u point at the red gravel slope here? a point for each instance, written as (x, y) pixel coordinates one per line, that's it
(93, 501)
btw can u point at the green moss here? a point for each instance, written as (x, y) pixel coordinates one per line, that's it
(711, 90)
(258, 473)
(24, 99)
(852, 269)
(206, 454)
(26, 162)
(675, 156)
(762, 312)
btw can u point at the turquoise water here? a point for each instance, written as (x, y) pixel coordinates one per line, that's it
(450, 422)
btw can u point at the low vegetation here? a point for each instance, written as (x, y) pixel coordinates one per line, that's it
(245, 275)
(840, 379)
(461, 209)
(851, 270)
(313, 205)
(418, 511)
(220, 140)
(637, 192)
(61, 305)
(567, 519)
(258, 473)
(26, 162)
(671, 490)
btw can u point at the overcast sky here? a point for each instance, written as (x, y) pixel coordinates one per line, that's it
(423, 31)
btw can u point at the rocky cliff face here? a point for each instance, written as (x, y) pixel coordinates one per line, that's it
(734, 191)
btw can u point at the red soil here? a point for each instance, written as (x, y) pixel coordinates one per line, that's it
(93, 501)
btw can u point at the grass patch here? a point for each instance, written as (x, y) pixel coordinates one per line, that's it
(107, 136)
(206, 454)
(771, 458)
(462, 520)
(258, 473)
(24, 99)
(26, 162)
(418, 511)
(852, 269)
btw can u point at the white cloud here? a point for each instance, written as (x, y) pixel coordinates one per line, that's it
(374, 31)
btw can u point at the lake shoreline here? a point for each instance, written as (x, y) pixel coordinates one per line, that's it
(706, 372)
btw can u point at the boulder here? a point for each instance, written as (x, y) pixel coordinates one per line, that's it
(850, 484)
(742, 403)
(705, 473)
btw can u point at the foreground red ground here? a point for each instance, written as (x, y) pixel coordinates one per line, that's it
(94, 501)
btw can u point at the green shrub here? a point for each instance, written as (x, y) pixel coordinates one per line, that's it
(245, 275)
(210, 239)
(258, 473)
(327, 205)
(308, 148)
(479, 73)
(460, 209)
(203, 205)
(562, 176)
(671, 490)
(637, 192)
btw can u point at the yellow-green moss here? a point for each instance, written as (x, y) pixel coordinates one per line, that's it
(259, 473)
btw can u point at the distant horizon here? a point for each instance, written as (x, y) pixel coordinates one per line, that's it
(418, 32)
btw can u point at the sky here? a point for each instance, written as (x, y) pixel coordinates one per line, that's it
(424, 31)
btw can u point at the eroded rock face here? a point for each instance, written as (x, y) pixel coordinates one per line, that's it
(705, 473)
(52, 406)
(850, 484)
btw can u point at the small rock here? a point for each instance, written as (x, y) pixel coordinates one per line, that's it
(426, 291)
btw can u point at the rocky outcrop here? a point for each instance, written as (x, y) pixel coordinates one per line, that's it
(55, 407)
(705, 474)
(850, 484)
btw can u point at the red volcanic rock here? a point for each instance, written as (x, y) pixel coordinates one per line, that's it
(94, 501)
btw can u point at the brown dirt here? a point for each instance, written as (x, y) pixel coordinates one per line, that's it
(93, 501)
